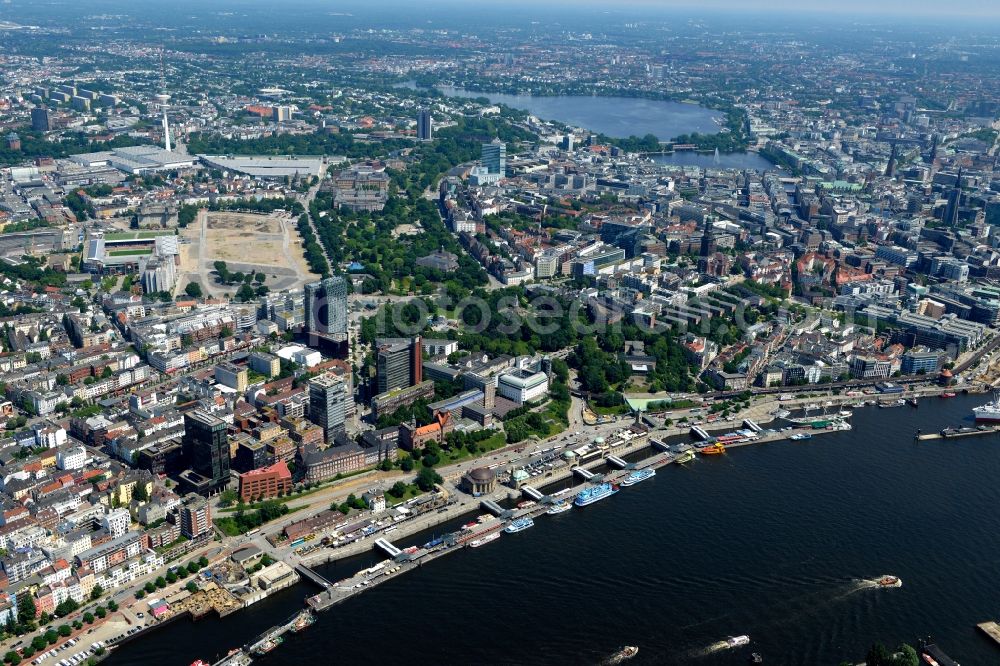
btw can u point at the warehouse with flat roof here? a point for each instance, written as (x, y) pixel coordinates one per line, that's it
(267, 167)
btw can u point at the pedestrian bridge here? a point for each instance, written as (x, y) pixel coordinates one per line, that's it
(700, 433)
(387, 547)
(492, 507)
(585, 473)
(657, 444)
(533, 493)
(752, 425)
(306, 572)
(617, 462)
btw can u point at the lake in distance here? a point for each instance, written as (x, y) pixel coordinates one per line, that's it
(614, 116)
(770, 540)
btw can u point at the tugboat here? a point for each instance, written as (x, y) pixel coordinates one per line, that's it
(625, 653)
(305, 619)
(913, 402)
(269, 645)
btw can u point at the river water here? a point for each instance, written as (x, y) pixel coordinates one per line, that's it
(771, 541)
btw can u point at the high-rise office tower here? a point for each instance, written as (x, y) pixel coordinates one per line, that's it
(326, 307)
(495, 157)
(954, 202)
(399, 363)
(206, 447)
(425, 125)
(328, 397)
(40, 121)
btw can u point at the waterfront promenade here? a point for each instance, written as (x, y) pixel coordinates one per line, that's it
(761, 411)
(342, 590)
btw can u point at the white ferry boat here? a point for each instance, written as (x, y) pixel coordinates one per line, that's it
(638, 476)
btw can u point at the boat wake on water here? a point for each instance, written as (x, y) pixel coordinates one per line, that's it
(719, 646)
(880, 582)
(807, 604)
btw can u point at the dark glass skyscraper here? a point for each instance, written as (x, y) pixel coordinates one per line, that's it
(206, 448)
(326, 307)
(40, 120)
(425, 125)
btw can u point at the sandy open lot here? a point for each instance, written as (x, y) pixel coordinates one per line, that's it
(245, 241)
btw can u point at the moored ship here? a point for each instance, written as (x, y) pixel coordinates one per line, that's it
(712, 450)
(595, 494)
(988, 413)
(269, 645)
(638, 476)
(482, 541)
(518, 525)
(305, 619)
(559, 507)
(684, 456)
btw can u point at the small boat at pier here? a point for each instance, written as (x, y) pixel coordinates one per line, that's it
(269, 645)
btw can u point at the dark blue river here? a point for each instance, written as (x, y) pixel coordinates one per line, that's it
(770, 541)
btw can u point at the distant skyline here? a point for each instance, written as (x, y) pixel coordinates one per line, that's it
(841, 8)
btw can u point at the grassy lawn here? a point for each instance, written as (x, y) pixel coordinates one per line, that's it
(130, 253)
(228, 525)
(609, 411)
(499, 440)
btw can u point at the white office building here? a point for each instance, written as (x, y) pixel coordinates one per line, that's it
(522, 386)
